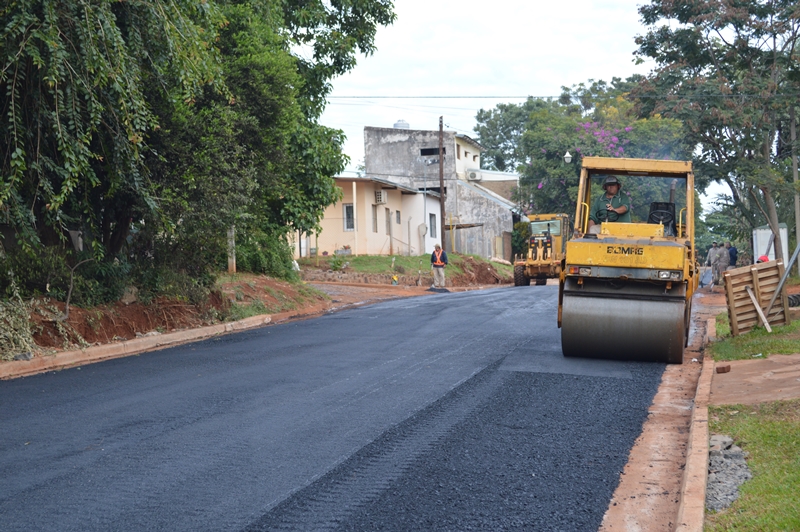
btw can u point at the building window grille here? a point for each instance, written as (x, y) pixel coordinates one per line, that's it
(388, 221)
(432, 225)
(374, 218)
(349, 217)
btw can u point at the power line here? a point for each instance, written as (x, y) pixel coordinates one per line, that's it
(437, 97)
(700, 95)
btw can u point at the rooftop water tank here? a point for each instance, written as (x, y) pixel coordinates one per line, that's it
(401, 124)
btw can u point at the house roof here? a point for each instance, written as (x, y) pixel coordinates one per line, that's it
(470, 140)
(491, 196)
(385, 183)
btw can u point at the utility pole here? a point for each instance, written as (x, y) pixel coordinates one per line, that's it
(441, 180)
(232, 249)
(794, 175)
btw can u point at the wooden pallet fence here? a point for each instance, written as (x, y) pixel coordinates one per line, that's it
(763, 280)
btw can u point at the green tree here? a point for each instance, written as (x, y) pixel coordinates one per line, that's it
(727, 71)
(74, 113)
(595, 118)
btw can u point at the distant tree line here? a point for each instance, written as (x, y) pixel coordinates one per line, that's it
(146, 129)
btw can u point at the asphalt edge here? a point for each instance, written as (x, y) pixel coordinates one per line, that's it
(98, 353)
(77, 357)
(692, 506)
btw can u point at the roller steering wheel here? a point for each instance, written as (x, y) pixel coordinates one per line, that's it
(663, 217)
(604, 215)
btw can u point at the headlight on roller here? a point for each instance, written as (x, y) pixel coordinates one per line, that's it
(670, 276)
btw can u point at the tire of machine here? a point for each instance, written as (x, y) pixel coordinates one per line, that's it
(623, 329)
(519, 276)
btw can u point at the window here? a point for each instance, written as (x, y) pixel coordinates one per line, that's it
(432, 225)
(458, 151)
(374, 218)
(388, 221)
(349, 217)
(474, 157)
(466, 154)
(432, 151)
(397, 216)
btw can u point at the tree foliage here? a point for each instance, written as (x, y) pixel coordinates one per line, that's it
(153, 127)
(728, 70)
(588, 119)
(75, 114)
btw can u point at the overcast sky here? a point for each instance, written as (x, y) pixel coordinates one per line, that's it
(504, 48)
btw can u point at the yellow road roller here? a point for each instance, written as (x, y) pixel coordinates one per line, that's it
(630, 270)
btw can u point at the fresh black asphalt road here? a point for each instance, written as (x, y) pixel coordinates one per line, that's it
(448, 412)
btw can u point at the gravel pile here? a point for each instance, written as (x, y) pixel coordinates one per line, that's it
(727, 470)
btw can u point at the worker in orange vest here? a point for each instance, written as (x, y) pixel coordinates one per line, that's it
(438, 262)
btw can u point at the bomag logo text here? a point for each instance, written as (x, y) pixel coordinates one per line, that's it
(623, 250)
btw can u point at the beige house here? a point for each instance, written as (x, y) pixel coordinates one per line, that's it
(376, 217)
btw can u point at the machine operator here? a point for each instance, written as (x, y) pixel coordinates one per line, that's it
(613, 206)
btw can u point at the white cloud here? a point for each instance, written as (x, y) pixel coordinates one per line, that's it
(506, 47)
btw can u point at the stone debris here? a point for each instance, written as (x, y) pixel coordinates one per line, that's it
(724, 369)
(727, 470)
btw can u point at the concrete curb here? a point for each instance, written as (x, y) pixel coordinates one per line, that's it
(692, 508)
(65, 359)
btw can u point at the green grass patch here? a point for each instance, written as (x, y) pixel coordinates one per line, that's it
(723, 325)
(403, 265)
(783, 340)
(770, 433)
(239, 312)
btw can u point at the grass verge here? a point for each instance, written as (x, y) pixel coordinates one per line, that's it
(400, 264)
(770, 433)
(783, 340)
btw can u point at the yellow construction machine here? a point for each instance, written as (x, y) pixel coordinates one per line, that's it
(625, 288)
(545, 249)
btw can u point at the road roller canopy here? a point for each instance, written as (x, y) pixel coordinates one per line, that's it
(541, 226)
(658, 192)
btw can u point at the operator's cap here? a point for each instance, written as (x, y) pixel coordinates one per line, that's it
(714, 242)
(611, 180)
(763, 258)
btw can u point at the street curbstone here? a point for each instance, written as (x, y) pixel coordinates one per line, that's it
(692, 506)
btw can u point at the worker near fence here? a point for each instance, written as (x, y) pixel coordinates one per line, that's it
(733, 253)
(438, 263)
(713, 261)
(723, 262)
(613, 206)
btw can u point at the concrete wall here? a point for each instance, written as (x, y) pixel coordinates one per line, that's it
(469, 206)
(395, 153)
(420, 207)
(468, 157)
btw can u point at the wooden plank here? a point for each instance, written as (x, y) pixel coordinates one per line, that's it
(784, 298)
(758, 309)
(755, 288)
(733, 320)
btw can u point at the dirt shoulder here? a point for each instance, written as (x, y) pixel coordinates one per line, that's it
(657, 479)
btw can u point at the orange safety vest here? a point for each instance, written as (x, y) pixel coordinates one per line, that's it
(438, 255)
